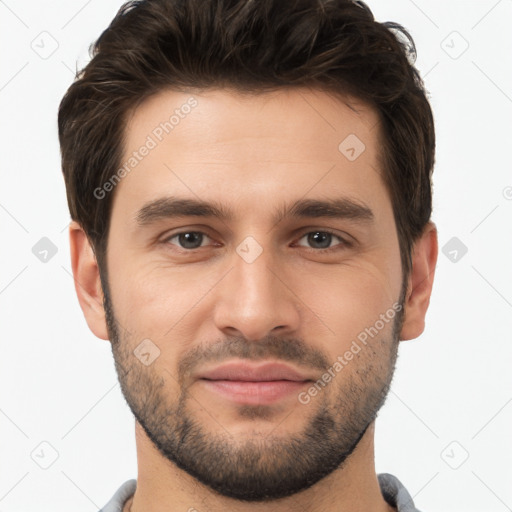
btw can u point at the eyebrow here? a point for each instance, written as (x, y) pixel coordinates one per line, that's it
(175, 207)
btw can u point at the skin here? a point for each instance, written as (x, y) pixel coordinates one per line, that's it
(253, 154)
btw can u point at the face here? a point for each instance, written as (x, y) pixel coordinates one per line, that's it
(254, 291)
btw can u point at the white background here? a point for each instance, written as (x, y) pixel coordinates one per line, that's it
(452, 393)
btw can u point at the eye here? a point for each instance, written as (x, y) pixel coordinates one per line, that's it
(319, 240)
(187, 239)
(322, 239)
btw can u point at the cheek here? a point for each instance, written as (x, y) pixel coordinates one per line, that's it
(347, 301)
(158, 300)
(162, 302)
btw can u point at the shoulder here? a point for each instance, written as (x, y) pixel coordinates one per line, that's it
(395, 493)
(117, 501)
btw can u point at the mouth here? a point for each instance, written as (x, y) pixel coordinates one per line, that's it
(245, 383)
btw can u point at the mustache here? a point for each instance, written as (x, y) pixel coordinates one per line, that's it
(271, 347)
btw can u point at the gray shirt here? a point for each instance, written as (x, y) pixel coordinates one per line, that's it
(392, 490)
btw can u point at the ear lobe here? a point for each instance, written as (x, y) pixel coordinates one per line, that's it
(87, 280)
(421, 280)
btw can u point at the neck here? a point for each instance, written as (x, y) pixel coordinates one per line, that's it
(162, 486)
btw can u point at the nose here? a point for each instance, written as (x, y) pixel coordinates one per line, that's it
(256, 299)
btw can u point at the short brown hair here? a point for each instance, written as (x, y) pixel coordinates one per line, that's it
(251, 46)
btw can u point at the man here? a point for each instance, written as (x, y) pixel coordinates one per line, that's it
(250, 189)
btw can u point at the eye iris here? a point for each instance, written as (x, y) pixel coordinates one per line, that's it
(186, 239)
(320, 237)
(192, 240)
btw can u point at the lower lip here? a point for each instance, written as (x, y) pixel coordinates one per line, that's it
(250, 392)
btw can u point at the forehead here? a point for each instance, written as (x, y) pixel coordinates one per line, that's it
(292, 116)
(253, 146)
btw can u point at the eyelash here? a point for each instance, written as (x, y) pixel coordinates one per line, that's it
(344, 242)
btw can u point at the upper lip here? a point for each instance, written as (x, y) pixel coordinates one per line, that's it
(250, 372)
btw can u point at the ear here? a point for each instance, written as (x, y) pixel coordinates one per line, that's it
(421, 279)
(87, 280)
